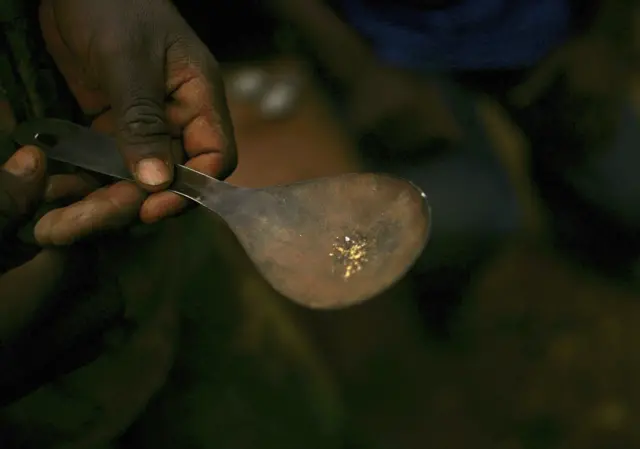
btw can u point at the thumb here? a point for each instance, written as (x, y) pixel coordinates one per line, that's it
(21, 185)
(134, 77)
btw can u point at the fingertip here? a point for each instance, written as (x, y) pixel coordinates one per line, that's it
(161, 205)
(42, 229)
(65, 226)
(35, 151)
(105, 209)
(153, 173)
(38, 156)
(29, 162)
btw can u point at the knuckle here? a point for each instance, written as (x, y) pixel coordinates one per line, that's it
(143, 120)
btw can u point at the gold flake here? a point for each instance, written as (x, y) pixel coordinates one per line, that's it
(350, 254)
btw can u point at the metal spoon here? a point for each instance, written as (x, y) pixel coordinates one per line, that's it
(323, 243)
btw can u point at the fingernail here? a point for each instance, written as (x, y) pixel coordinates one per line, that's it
(22, 164)
(152, 172)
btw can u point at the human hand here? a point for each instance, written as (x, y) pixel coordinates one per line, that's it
(29, 291)
(587, 79)
(135, 349)
(402, 109)
(24, 289)
(141, 72)
(23, 186)
(604, 78)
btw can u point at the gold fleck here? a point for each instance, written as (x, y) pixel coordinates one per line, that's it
(350, 252)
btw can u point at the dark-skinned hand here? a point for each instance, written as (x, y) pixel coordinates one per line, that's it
(403, 110)
(24, 289)
(101, 398)
(104, 405)
(24, 185)
(141, 73)
(591, 100)
(32, 278)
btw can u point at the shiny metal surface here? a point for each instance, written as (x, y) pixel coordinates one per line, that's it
(323, 243)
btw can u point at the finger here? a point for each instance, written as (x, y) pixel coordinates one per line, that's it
(538, 82)
(22, 298)
(162, 205)
(133, 73)
(21, 185)
(105, 123)
(109, 208)
(165, 204)
(200, 106)
(73, 186)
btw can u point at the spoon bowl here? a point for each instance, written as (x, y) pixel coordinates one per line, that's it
(329, 242)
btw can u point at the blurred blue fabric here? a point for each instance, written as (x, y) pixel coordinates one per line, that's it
(470, 35)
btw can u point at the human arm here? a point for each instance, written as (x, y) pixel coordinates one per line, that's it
(340, 49)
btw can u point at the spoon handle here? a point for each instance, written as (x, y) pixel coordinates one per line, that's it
(98, 152)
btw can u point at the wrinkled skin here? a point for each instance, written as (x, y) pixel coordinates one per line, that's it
(140, 71)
